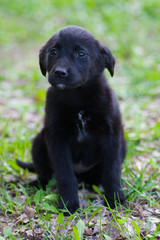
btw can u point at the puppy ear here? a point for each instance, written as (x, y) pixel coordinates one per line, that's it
(109, 60)
(42, 61)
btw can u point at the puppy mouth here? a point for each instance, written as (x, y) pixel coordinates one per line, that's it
(61, 86)
(64, 85)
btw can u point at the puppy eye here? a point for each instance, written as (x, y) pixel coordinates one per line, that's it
(53, 51)
(81, 54)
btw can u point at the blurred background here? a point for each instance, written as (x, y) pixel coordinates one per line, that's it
(130, 29)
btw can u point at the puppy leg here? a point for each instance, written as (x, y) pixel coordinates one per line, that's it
(60, 155)
(41, 159)
(111, 151)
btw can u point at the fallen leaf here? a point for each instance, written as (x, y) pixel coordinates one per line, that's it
(29, 233)
(30, 212)
(22, 218)
(137, 210)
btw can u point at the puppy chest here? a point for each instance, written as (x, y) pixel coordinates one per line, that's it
(82, 126)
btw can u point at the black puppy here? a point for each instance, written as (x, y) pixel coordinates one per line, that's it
(82, 135)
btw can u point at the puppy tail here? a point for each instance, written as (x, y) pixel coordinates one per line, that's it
(29, 166)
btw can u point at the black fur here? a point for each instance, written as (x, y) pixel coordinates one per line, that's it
(82, 135)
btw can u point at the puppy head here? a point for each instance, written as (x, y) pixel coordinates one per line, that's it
(72, 57)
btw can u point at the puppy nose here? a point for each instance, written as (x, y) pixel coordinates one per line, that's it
(61, 72)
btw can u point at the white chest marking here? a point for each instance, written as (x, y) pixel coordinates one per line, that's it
(82, 125)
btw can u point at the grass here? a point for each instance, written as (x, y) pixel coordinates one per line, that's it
(131, 30)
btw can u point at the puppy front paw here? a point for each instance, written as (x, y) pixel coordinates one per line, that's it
(114, 198)
(70, 206)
